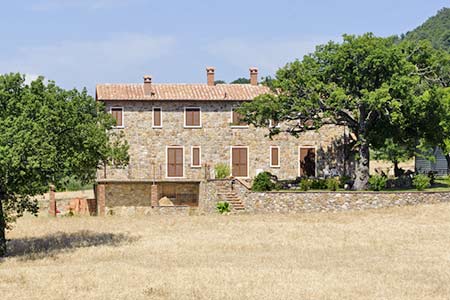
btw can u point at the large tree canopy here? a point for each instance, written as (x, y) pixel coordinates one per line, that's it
(372, 85)
(47, 134)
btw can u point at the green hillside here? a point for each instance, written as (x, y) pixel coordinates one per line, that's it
(436, 29)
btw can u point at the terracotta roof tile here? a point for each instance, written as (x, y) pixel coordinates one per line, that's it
(240, 92)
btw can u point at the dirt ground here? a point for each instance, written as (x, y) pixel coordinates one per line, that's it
(397, 253)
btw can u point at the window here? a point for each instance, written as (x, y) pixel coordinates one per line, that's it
(236, 119)
(274, 156)
(307, 161)
(117, 114)
(196, 157)
(273, 123)
(175, 162)
(157, 118)
(192, 117)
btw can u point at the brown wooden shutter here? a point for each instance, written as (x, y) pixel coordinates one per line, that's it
(237, 119)
(117, 115)
(196, 117)
(196, 156)
(239, 162)
(274, 156)
(174, 162)
(179, 162)
(192, 116)
(157, 117)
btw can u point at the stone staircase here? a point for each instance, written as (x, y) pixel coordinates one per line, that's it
(226, 194)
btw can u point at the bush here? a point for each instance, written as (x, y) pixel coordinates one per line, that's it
(222, 171)
(332, 184)
(343, 180)
(318, 184)
(305, 184)
(263, 182)
(421, 182)
(223, 207)
(377, 182)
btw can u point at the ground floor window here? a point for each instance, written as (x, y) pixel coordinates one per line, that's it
(181, 193)
(307, 161)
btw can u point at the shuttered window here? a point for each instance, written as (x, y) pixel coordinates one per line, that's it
(157, 121)
(239, 161)
(175, 162)
(192, 117)
(196, 161)
(237, 119)
(117, 114)
(274, 156)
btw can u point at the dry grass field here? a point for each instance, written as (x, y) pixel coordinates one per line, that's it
(400, 253)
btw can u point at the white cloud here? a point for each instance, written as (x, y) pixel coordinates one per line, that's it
(269, 55)
(47, 5)
(85, 63)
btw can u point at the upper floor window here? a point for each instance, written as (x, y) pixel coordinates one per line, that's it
(157, 117)
(237, 119)
(117, 114)
(273, 124)
(274, 156)
(192, 117)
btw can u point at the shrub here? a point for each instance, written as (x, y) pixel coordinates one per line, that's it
(222, 171)
(377, 182)
(421, 182)
(343, 180)
(263, 182)
(318, 184)
(305, 184)
(332, 184)
(432, 176)
(223, 207)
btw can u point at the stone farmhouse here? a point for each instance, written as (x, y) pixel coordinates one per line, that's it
(178, 133)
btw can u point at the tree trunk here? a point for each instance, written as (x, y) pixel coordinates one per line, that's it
(447, 158)
(362, 168)
(396, 169)
(2, 229)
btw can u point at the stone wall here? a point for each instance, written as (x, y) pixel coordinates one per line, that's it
(215, 137)
(128, 194)
(131, 211)
(300, 202)
(296, 202)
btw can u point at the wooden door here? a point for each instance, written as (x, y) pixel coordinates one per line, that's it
(239, 162)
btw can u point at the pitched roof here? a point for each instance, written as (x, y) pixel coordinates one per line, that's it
(240, 92)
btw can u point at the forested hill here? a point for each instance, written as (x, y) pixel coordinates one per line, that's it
(436, 29)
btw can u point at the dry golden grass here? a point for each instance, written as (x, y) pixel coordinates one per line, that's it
(401, 253)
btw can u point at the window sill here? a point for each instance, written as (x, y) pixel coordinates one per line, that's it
(192, 127)
(157, 127)
(196, 167)
(118, 127)
(275, 167)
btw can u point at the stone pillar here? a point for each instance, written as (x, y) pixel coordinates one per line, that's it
(52, 202)
(154, 195)
(101, 199)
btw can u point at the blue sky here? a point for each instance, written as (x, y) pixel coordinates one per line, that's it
(80, 43)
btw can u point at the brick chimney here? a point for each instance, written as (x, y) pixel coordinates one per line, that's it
(253, 76)
(147, 85)
(210, 75)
